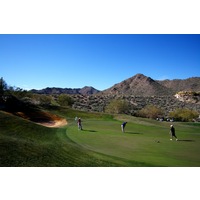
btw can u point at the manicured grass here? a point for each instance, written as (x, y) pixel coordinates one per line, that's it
(145, 141)
(101, 143)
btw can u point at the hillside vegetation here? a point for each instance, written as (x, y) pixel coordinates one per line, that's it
(136, 92)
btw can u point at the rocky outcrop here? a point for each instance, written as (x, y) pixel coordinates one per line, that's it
(188, 97)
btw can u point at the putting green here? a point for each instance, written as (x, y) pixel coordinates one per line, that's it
(145, 141)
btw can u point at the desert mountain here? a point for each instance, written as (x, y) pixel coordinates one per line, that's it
(176, 85)
(54, 90)
(141, 85)
(88, 90)
(138, 85)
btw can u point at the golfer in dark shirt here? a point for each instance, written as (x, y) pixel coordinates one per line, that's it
(123, 126)
(172, 133)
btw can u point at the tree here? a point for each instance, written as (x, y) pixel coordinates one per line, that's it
(65, 100)
(184, 114)
(117, 106)
(150, 111)
(3, 87)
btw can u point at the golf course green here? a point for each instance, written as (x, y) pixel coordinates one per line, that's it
(101, 143)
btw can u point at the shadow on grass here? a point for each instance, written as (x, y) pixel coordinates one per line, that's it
(186, 140)
(93, 131)
(132, 132)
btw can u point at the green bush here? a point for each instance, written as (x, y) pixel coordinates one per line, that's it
(150, 111)
(45, 99)
(117, 106)
(65, 100)
(184, 115)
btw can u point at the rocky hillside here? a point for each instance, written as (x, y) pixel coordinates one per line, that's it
(139, 91)
(188, 97)
(138, 85)
(52, 91)
(98, 103)
(141, 85)
(176, 85)
(88, 90)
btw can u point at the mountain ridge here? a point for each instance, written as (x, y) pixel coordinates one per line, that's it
(87, 90)
(141, 85)
(137, 85)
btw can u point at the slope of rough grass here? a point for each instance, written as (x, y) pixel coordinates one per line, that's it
(24, 143)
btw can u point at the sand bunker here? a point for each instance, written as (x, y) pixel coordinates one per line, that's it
(43, 118)
(54, 124)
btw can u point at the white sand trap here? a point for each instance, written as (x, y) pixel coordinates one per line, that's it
(54, 124)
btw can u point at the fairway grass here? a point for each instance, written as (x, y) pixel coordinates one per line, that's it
(146, 142)
(101, 143)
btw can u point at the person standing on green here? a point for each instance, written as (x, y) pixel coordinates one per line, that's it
(123, 126)
(172, 132)
(79, 124)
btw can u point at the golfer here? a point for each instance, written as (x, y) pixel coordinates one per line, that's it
(172, 132)
(123, 126)
(79, 124)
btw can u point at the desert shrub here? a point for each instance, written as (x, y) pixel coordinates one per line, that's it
(20, 93)
(45, 99)
(65, 100)
(150, 111)
(184, 114)
(117, 106)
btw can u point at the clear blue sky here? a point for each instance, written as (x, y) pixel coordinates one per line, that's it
(75, 61)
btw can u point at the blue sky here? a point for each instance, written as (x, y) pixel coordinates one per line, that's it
(98, 60)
